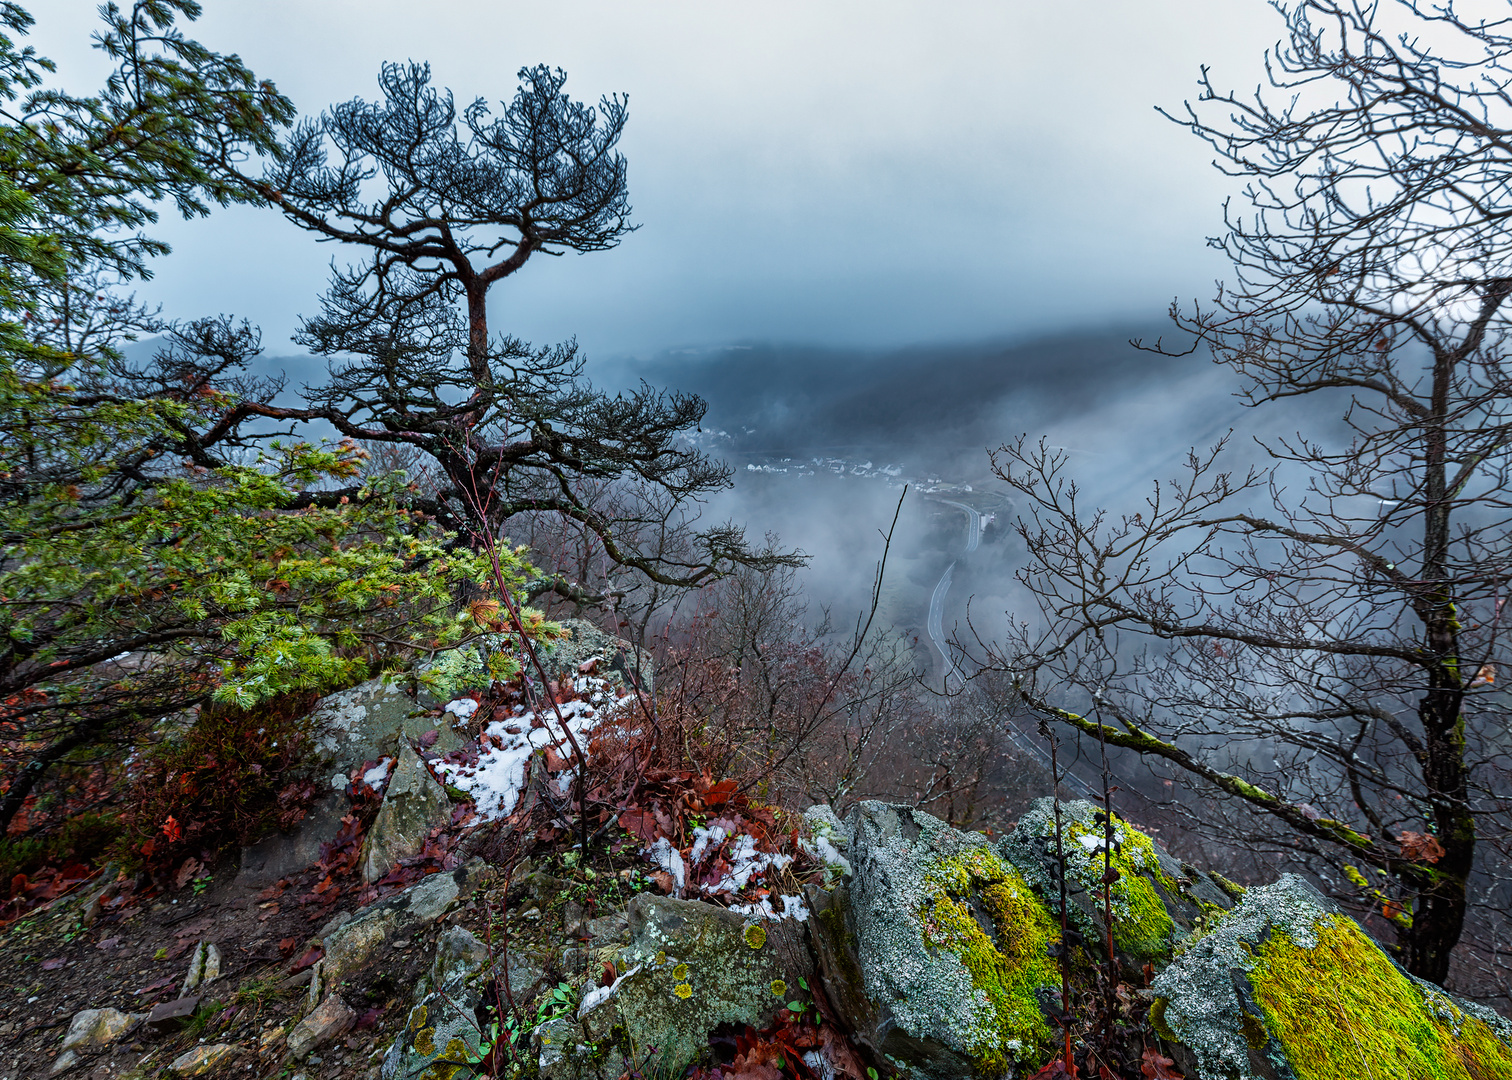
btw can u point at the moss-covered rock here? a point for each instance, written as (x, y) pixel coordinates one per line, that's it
(442, 1032)
(413, 804)
(950, 946)
(696, 966)
(1285, 987)
(1155, 900)
(619, 661)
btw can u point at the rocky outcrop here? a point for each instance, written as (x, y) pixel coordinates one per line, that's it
(938, 954)
(1155, 900)
(1285, 986)
(618, 660)
(692, 966)
(323, 1025)
(413, 804)
(443, 1024)
(355, 942)
(91, 1029)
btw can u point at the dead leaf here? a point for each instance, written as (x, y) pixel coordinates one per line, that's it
(1420, 847)
(54, 964)
(191, 867)
(1156, 1066)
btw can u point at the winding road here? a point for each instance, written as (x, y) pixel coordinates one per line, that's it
(935, 626)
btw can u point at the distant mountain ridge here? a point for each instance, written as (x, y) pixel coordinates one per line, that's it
(950, 397)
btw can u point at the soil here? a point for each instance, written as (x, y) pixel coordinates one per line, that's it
(138, 957)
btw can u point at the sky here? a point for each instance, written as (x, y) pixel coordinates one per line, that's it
(854, 173)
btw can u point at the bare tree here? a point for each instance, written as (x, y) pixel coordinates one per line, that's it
(1323, 654)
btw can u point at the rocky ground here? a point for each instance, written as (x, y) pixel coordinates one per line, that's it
(437, 916)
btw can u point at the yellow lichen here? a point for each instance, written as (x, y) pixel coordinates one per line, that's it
(683, 990)
(680, 973)
(779, 988)
(446, 1069)
(1008, 971)
(1342, 1010)
(425, 1041)
(417, 1017)
(755, 935)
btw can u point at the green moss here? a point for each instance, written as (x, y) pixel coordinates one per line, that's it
(1233, 888)
(1342, 1010)
(1007, 971)
(1142, 926)
(1157, 1020)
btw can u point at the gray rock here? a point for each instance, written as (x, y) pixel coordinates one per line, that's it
(574, 921)
(961, 996)
(326, 1023)
(170, 1016)
(354, 944)
(204, 966)
(1156, 901)
(364, 723)
(98, 1027)
(283, 854)
(458, 954)
(619, 661)
(203, 1060)
(444, 1021)
(700, 966)
(413, 805)
(335, 923)
(368, 722)
(613, 927)
(1245, 1000)
(564, 1051)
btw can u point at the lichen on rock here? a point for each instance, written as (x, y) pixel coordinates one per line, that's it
(1155, 901)
(951, 944)
(1287, 986)
(699, 966)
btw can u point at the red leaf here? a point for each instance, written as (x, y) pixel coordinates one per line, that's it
(307, 959)
(161, 984)
(172, 830)
(428, 740)
(369, 1019)
(1157, 1066)
(720, 793)
(639, 823)
(288, 945)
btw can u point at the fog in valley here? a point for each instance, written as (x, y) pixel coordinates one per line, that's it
(824, 441)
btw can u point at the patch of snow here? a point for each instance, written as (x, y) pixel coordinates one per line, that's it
(462, 708)
(793, 907)
(821, 1065)
(339, 781)
(377, 776)
(664, 855)
(494, 782)
(746, 861)
(826, 852)
(1090, 842)
(703, 839)
(600, 994)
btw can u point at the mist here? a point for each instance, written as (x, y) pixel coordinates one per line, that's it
(824, 441)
